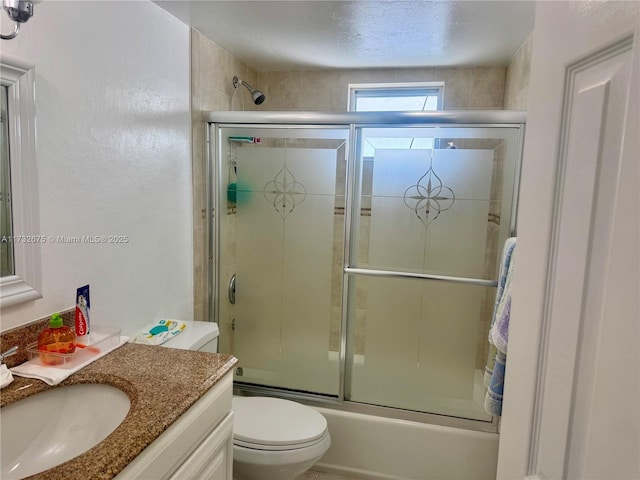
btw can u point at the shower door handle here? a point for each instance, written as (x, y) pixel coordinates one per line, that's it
(232, 289)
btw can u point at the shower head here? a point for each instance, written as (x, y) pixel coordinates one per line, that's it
(257, 96)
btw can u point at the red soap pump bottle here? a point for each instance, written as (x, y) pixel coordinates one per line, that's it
(58, 338)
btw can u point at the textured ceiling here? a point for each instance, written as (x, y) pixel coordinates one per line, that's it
(303, 35)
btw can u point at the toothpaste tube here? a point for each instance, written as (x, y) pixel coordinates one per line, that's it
(82, 311)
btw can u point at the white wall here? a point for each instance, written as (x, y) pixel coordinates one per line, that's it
(113, 150)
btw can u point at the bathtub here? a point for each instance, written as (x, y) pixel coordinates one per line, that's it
(376, 448)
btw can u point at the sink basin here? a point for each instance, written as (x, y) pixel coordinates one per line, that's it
(49, 428)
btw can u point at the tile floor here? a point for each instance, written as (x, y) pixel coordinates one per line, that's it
(314, 475)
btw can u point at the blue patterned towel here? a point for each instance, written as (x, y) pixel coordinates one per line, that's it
(493, 398)
(505, 262)
(500, 327)
(499, 332)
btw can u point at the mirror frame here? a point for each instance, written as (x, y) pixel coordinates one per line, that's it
(26, 283)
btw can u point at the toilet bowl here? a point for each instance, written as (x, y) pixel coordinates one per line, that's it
(273, 438)
(276, 439)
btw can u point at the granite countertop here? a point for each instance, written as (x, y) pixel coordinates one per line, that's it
(162, 383)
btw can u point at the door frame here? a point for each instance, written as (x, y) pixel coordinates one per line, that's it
(564, 33)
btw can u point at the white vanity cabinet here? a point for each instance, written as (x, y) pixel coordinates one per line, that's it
(199, 445)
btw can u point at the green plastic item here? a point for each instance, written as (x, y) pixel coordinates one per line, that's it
(56, 321)
(232, 192)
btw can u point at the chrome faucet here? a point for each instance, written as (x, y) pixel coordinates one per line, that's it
(12, 351)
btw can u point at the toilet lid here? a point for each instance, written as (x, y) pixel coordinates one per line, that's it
(273, 423)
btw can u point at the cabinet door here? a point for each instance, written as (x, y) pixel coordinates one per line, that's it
(213, 458)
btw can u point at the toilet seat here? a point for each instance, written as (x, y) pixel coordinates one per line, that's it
(278, 448)
(275, 424)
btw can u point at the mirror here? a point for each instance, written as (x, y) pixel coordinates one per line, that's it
(20, 269)
(6, 247)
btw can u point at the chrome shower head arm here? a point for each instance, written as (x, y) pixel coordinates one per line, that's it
(237, 81)
(249, 87)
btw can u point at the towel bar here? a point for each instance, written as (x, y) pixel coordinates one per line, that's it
(422, 276)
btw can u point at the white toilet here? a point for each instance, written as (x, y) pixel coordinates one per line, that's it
(273, 439)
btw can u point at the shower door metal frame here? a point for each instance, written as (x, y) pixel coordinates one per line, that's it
(355, 122)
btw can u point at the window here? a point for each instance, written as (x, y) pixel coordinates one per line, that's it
(394, 97)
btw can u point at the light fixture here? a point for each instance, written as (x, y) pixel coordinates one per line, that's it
(19, 11)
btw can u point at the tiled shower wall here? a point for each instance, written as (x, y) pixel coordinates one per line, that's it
(515, 98)
(515, 93)
(212, 71)
(326, 90)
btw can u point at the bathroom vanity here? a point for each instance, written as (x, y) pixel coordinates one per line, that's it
(198, 445)
(179, 425)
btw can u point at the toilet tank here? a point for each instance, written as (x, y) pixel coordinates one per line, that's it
(201, 336)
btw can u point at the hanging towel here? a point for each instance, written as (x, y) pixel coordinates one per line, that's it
(500, 327)
(505, 265)
(491, 362)
(507, 252)
(498, 333)
(493, 398)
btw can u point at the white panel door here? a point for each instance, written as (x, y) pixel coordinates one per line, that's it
(572, 389)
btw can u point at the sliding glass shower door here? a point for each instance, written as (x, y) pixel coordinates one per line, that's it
(283, 187)
(358, 262)
(432, 208)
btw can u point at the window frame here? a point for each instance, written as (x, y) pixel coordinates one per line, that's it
(393, 89)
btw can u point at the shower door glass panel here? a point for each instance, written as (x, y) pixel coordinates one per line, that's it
(285, 192)
(415, 346)
(437, 201)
